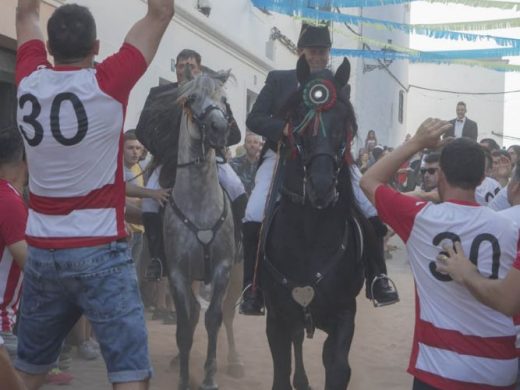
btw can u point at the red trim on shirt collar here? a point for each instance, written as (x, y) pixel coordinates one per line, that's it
(64, 68)
(463, 202)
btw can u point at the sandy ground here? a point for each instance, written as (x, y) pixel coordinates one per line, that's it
(378, 357)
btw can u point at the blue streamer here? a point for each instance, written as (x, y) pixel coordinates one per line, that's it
(427, 56)
(353, 3)
(324, 4)
(301, 8)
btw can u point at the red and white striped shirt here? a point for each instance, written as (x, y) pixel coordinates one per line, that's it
(513, 213)
(459, 343)
(72, 120)
(13, 215)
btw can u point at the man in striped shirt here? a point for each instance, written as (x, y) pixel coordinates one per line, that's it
(71, 116)
(13, 216)
(459, 343)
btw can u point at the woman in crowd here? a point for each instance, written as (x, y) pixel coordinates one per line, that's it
(370, 141)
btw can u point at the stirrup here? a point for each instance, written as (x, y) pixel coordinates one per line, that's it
(154, 270)
(250, 304)
(375, 302)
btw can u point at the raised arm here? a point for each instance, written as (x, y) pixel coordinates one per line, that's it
(28, 21)
(146, 34)
(427, 136)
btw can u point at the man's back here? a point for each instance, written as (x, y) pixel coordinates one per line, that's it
(72, 122)
(458, 341)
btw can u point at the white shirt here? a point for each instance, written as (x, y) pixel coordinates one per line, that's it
(487, 190)
(459, 125)
(72, 121)
(500, 201)
(459, 343)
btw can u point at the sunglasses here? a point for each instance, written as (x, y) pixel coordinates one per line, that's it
(431, 171)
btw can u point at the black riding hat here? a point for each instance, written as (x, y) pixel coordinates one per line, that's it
(314, 36)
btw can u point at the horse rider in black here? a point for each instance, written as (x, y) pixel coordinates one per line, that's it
(314, 42)
(163, 145)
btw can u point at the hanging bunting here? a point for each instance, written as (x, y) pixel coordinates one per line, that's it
(497, 66)
(427, 56)
(511, 5)
(300, 8)
(507, 5)
(476, 25)
(406, 54)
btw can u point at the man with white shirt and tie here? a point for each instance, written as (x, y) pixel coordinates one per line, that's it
(463, 126)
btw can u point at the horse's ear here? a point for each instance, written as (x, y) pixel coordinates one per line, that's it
(343, 73)
(223, 75)
(303, 70)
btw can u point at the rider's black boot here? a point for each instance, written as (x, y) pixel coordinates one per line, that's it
(153, 229)
(239, 210)
(252, 300)
(381, 291)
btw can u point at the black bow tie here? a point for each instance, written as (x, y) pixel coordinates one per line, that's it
(460, 120)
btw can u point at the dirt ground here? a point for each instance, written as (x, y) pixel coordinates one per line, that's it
(378, 357)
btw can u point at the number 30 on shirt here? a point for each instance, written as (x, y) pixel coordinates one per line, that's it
(473, 253)
(33, 119)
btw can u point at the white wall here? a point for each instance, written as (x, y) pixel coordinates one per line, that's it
(496, 113)
(234, 37)
(376, 94)
(486, 110)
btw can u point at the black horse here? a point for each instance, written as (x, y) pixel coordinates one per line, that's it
(312, 267)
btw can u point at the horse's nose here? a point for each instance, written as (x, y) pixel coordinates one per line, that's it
(219, 124)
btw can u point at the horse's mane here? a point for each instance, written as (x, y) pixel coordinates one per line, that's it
(164, 118)
(209, 84)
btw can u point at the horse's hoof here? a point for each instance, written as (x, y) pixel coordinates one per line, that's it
(235, 370)
(174, 363)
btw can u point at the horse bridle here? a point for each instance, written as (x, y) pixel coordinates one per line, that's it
(200, 121)
(318, 96)
(337, 160)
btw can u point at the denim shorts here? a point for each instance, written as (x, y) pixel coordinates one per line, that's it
(101, 283)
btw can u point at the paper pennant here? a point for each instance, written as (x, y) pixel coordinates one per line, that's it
(300, 8)
(512, 5)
